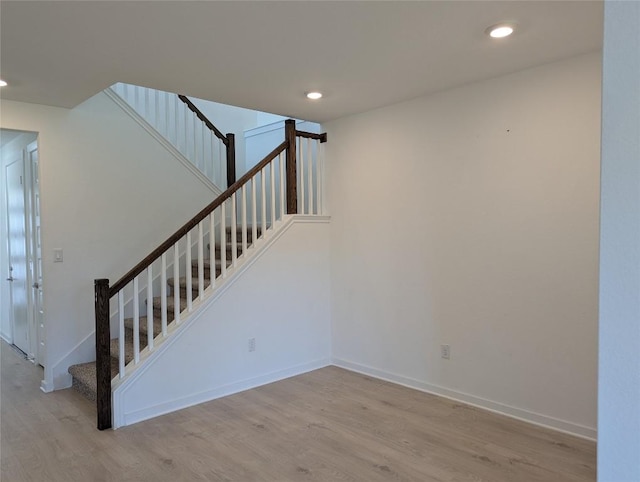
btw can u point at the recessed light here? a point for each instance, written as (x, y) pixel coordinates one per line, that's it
(2, 83)
(314, 95)
(500, 31)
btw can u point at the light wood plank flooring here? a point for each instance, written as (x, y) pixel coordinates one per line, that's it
(328, 425)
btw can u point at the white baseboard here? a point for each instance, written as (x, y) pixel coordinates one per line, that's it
(564, 426)
(222, 391)
(6, 337)
(46, 387)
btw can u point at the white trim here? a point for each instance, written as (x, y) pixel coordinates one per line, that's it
(6, 338)
(163, 142)
(82, 352)
(559, 425)
(175, 332)
(46, 387)
(274, 126)
(223, 391)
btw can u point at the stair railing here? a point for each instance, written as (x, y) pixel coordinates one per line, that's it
(185, 127)
(251, 206)
(228, 140)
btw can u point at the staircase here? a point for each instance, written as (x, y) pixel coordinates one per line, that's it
(84, 374)
(215, 241)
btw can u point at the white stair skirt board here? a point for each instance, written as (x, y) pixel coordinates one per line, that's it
(164, 142)
(84, 351)
(564, 426)
(135, 397)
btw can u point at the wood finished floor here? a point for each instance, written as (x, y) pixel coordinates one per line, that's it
(327, 425)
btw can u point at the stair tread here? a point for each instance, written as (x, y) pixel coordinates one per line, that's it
(170, 305)
(128, 348)
(84, 374)
(195, 283)
(84, 377)
(157, 325)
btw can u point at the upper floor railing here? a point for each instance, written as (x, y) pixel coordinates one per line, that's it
(186, 128)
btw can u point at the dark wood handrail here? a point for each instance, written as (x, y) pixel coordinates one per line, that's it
(204, 119)
(175, 237)
(310, 135)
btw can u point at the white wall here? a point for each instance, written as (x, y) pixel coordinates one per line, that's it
(287, 314)
(470, 218)
(619, 371)
(109, 195)
(11, 151)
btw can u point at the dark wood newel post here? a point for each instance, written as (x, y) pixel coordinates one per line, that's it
(103, 354)
(292, 191)
(231, 159)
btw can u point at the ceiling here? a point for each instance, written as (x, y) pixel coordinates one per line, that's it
(265, 55)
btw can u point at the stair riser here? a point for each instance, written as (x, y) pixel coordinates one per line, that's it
(229, 250)
(194, 272)
(85, 390)
(239, 236)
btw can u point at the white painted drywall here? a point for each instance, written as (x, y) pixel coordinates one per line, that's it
(110, 194)
(470, 218)
(287, 314)
(619, 370)
(11, 151)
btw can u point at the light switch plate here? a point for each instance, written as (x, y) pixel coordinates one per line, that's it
(57, 256)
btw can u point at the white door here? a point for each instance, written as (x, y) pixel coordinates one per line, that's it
(18, 254)
(34, 254)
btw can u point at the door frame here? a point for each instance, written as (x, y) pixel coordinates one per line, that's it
(35, 320)
(34, 253)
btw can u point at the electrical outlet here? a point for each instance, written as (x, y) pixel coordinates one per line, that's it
(252, 344)
(445, 352)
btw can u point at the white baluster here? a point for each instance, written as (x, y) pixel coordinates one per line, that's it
(254, 214)
(121, 332)
(310, 177)
(234, 231)
(195, 141)
(203, 162)
(157, 108)
(243, 199)
(176, 111)
(188, 273)
(263, 200)
(200, 262)
(147, 106)
(150, 307)
(186, 134)
(168, 131)
(283, 209)
(136, 322)
(212, 249)
(176, 282)
(163, 294)
(222, 166)
(272, 192)
(212, 162)
(136, 91)
(223, 241)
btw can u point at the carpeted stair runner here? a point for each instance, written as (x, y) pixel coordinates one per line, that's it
(84, 374)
